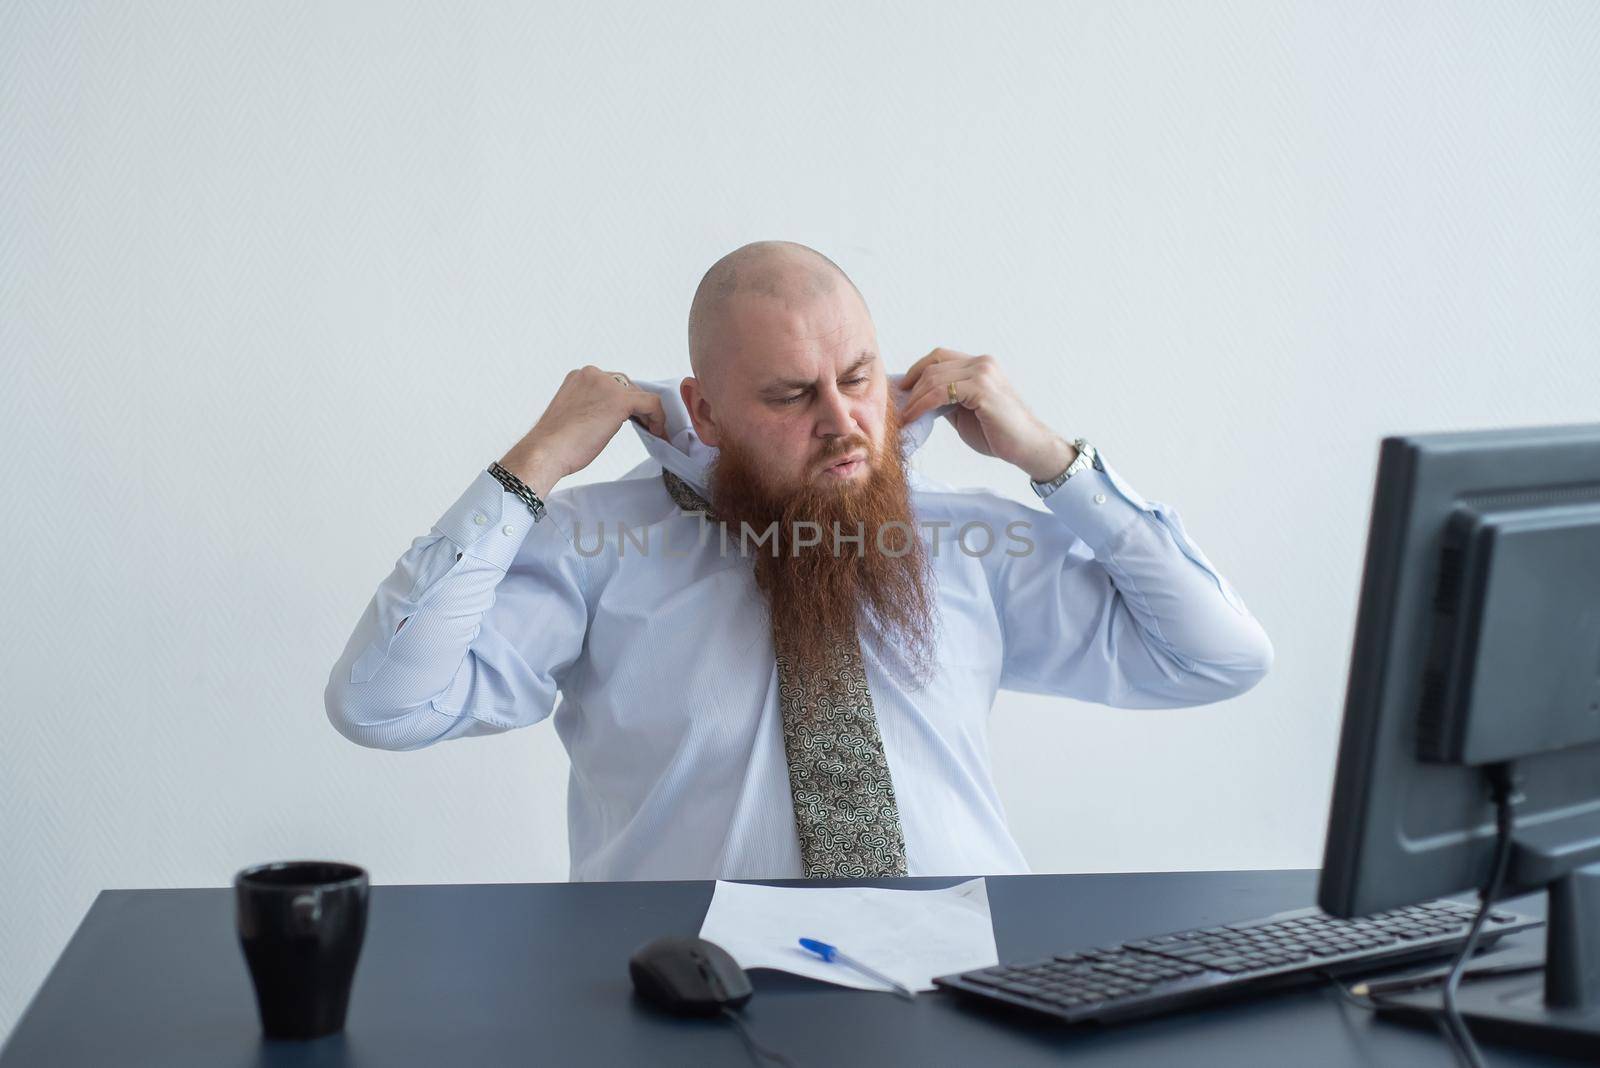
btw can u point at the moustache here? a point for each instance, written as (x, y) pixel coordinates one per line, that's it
(839, 449)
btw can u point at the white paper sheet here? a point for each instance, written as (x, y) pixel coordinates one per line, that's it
(912, 935)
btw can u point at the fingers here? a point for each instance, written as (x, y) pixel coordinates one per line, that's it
(923, 401)
(614, 391)
(933, 389)
(937, 356)
(592, 373)
(645, 407)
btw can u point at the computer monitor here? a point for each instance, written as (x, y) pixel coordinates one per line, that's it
(1477, 650)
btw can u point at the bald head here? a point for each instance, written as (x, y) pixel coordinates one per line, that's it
(785, 361)
(784, 274)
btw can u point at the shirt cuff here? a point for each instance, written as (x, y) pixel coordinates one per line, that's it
(1097, 505)
(488, 522)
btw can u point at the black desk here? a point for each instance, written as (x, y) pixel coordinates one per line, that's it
(516, 974)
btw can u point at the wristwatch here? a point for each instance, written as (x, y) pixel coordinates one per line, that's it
(1087, 457)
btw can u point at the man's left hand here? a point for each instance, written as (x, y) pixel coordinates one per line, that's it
(991, 417)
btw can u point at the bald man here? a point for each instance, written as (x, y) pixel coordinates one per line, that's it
(774, 643)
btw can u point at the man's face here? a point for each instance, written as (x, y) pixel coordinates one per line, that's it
(801, 388)
(796, 400)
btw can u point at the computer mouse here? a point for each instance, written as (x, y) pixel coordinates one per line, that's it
(688, 976)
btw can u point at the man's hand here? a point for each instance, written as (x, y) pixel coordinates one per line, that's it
(991, 417)
(581, 418)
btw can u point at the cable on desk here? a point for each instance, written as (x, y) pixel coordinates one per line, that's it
(1372, 1003)
(756, 1048)
(1448, 1017)
(1505, 799)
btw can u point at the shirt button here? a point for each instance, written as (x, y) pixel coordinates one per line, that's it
(1099, 498)
(479, 519)
(508, 529)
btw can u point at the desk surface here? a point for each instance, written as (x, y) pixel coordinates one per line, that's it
(537, 973)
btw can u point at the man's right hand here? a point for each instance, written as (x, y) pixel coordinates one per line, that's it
(580, 419)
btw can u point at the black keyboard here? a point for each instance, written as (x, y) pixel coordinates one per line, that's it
(1167, 972)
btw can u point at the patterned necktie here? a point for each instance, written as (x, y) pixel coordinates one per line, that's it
(844, 807)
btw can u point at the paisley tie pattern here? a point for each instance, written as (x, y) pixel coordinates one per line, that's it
(844, 807)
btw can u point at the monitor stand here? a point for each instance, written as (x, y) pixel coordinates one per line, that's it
(1558, 1013)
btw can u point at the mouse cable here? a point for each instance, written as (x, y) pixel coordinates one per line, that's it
(756, 1048)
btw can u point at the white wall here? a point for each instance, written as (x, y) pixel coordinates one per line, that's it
(276, 282)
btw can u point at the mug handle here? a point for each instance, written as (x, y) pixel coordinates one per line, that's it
(305, 912)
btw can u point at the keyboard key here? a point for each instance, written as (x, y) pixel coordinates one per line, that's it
(1186, 949)
(1148, 943)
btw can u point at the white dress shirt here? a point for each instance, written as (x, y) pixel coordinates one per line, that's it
(663, 664)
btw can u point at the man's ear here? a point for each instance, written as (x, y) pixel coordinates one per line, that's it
(694, 399)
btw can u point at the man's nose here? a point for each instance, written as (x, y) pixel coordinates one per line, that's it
(833, 414)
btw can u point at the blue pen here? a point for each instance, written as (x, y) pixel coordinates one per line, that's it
(832, 955)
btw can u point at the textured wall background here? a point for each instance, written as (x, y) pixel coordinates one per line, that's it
(277, 280)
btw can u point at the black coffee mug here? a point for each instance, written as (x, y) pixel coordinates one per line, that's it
(301, 924)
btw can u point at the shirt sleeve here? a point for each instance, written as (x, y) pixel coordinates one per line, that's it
(474, 630)
(1114, 603)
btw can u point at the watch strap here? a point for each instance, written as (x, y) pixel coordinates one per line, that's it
(1087, 457)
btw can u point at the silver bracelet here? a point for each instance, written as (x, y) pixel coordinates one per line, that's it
(519, 488)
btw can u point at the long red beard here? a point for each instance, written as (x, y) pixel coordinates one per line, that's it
(818, 595)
